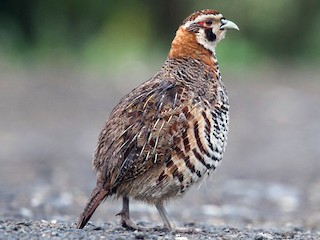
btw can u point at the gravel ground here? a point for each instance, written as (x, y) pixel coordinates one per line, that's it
(268, 186)
(56, 230)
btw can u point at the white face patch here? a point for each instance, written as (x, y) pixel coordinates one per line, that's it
(210, 45)
(203, 40)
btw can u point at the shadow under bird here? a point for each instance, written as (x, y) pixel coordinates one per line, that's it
(171, 131)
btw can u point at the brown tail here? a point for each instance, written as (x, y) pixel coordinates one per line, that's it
(97, 196)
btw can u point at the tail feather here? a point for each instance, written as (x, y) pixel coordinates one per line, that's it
(97, 196)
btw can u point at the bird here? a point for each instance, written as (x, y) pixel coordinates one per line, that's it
(170, 132)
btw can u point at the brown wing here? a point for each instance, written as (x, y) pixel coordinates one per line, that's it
(140, 132)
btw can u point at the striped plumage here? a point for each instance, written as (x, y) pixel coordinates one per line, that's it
(170, 131)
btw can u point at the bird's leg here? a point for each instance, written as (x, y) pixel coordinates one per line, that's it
(163, 213)
(127, 223)
(125, 216)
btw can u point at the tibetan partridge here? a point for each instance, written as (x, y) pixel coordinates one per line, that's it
(169, 132)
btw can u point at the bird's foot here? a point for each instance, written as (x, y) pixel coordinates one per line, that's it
(127, 223)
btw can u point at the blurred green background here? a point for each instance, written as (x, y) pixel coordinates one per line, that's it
(105, 33)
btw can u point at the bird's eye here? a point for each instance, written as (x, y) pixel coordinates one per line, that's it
(208, 22)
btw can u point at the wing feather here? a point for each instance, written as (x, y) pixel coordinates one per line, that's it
(137, 135)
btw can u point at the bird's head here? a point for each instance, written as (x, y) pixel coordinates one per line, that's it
(202, 30)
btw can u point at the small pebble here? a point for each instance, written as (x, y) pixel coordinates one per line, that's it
(54, 221)
(181, 238)
(263, 236)
(54, 233)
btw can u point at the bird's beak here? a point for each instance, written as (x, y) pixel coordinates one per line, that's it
(227, 24)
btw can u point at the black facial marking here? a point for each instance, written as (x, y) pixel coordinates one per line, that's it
(210, 35)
